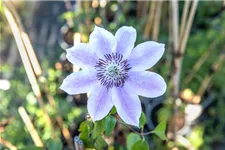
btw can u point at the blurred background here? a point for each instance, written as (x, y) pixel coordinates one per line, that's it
(33, 39)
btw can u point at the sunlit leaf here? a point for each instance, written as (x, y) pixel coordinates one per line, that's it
(140, 145)
(142, 120)
(160, 130)
(131, 139)
(113, 110)
(100, 143)
(99, 127)
(83, 126)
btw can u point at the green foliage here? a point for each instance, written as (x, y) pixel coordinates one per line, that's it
(32, 148)
(131, 139)
(142, 120)
(110, 123)
(100, 143)
(141, 144)
(54, 144)
(160, 130)
(99, 127)
(113, 110)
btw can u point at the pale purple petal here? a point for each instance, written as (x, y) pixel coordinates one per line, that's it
(147, 84)
(79, 82)
(81, 55)
(125, 37)
(145, 55)
(102, 42)
(127, 104)
(99, 102)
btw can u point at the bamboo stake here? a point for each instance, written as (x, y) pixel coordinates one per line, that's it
(156, 25)
(77, 40)
(30, 127)
(7, 144)
(149, 23)
(184, 17)
(31, 54)
(18, 37)
(28, 68)
(175, 24)
(177, 60)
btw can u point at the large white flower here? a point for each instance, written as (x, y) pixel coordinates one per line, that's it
(115, 73)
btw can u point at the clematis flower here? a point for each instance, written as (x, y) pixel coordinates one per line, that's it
(115, 73)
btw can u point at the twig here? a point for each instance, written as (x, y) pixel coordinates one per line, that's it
(7, 144)
(30, 127)
(156, 24)
(139, 133)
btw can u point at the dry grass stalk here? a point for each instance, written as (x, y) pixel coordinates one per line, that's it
(156, 25)
(150, 20)
(142, 9)
(215, 67)
(7, 144)
(187, 30)
(30, 127)
(184, 17)
(199, 63)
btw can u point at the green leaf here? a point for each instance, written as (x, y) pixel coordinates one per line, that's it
(141, 144)
(142, 120)
(160, 130)
(84, 135)
(131, 139)
(33, 148)
(99, 127)
(110, 123)
(113, 110)
(54, 144)
(100, 143)
(83, 126)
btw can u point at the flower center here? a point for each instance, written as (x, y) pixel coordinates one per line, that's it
(112, 71)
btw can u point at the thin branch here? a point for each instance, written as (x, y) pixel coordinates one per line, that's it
(139, 133)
